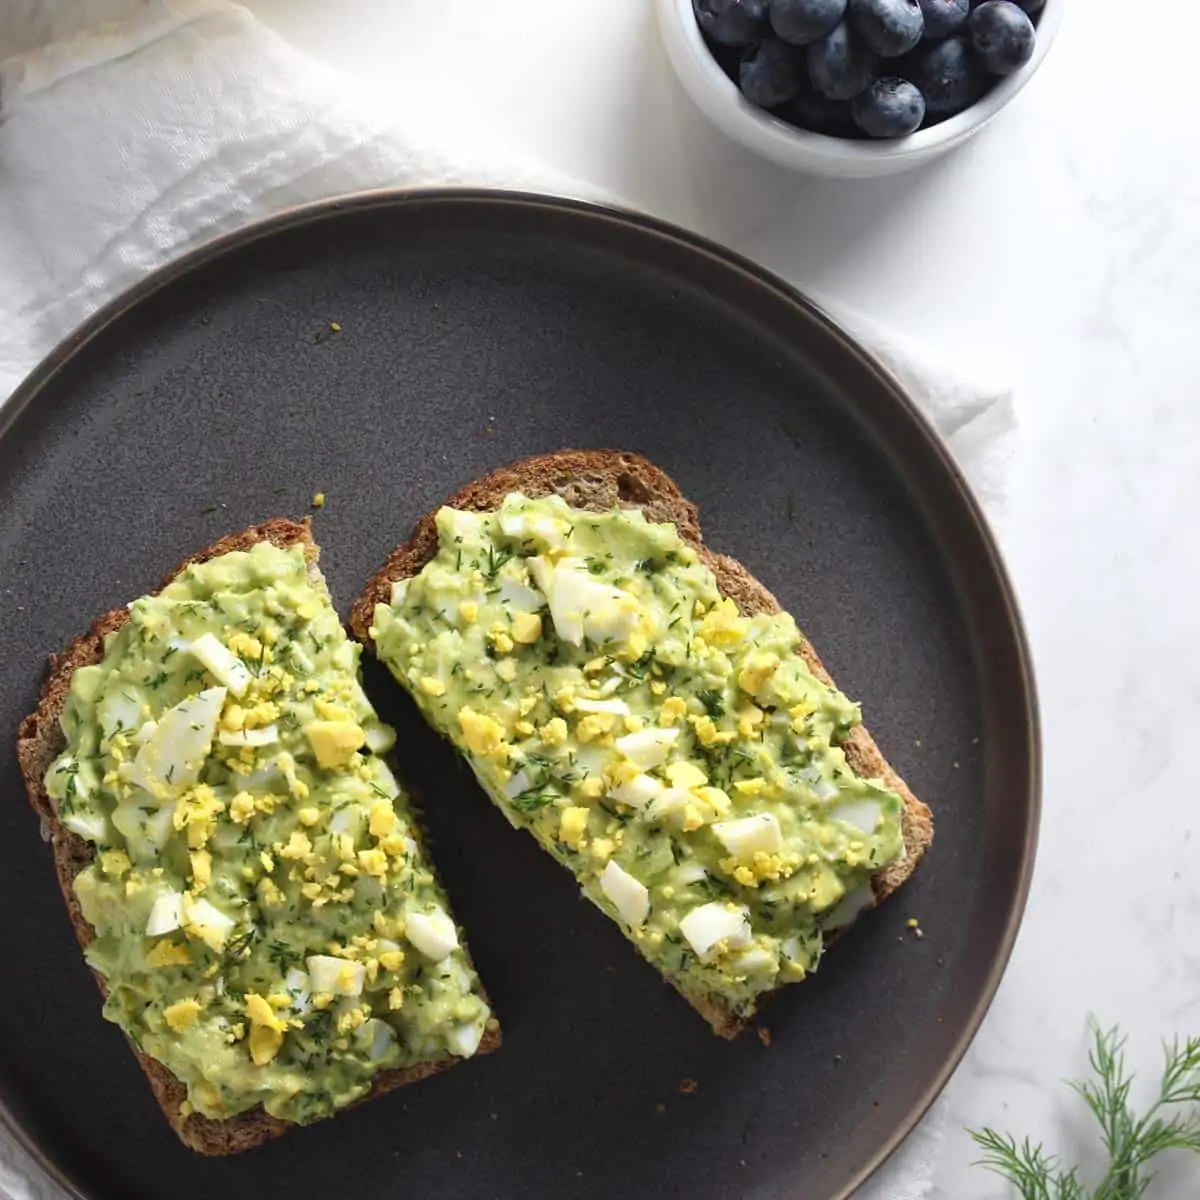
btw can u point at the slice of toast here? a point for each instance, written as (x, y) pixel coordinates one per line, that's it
(601, 480)
(40, 740)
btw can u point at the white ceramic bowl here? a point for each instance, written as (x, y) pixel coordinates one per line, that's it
(719, 99)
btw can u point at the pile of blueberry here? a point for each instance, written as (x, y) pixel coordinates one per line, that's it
(874, 68)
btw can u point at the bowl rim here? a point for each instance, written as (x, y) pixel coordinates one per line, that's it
(787, 143)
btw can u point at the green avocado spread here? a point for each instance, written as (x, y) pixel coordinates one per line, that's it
(682, 760)
(265, 920)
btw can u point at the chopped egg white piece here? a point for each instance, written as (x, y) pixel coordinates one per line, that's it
(638, 791)
(518, 597)
(160, 826)
(670, 802)
(648, 747)
(460, 522)
(338, 976)
(630, 897)
(592, 759)
(746, 836)
(120, 710)
(520, 782)
(862, 814)
(262, 778)
(689, 872)
(848, 908)
(349, 820)
(221, 663)
(432, 933)
(166, 914)
(170, 760)
(790, 949)
(464, 1040)
(546, 531)
(386, 780)
(567, 616)
(145, 831)
(377, 1035)
(755, 960)
(824, 789)
(581, 605)
(265, 735)
(709, 924)
(297, 985)
(380, 738)
(90, 825)
(514, 524)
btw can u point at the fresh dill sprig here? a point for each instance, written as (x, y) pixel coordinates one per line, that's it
(1172, 1122)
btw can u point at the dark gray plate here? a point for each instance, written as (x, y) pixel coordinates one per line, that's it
(476, 328)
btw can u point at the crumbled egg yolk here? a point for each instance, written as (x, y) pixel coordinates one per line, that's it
(484, 735)
(686, 775)
(181, 1015)
(201, 863)
(168, 953)
(723, 626)
(197, 812)
(266, 1029)
(334, 742)
(554, 732)
(595, 726)
(707, 732)
(573, 825)
(758, 669)
(115, 863)
(526, 628)
(761, 867)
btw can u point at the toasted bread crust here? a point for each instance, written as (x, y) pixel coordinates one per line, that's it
(601, 480)
(40, 740)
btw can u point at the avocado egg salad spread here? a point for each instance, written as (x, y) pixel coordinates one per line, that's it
(265, 920)
(681, 759)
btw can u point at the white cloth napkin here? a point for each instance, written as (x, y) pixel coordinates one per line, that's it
(126, 144)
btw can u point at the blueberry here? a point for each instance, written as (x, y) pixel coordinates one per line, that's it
(771, 73)
(948, 75)
(1002, 35)
(732, 22)
(890, 27)
(810, 110)
(1032, 6)
(944, 17)
(889, 108)
(728, 58)
(803, 21)
(840, 65)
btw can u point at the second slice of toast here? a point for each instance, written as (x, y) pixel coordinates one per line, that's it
(605, 480)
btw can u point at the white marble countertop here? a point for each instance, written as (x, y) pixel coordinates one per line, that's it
(1062, 244)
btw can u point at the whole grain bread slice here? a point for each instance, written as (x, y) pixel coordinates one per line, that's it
(40, 740)
(601, 480)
